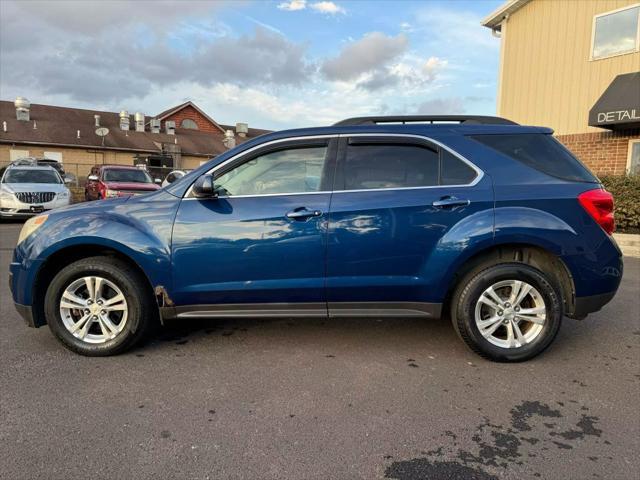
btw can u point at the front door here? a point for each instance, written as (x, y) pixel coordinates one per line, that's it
(259, 248)
(396, 199)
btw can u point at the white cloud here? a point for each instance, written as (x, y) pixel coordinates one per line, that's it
(293, 5)
(327, 7)
(372, 52)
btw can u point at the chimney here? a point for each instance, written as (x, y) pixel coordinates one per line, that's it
(229, 140)
(139, 119)
(155, 125)
(124, 120)
(97, 119)
(242, 129)
(22, 109)
(170, 127)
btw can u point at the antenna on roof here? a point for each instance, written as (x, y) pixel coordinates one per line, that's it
(102, 132)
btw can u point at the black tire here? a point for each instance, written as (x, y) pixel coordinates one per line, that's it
(141, 315)
(476, 282)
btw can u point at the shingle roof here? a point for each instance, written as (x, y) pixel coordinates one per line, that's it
(59, 126)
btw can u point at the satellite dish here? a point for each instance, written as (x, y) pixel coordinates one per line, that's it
(102, 131)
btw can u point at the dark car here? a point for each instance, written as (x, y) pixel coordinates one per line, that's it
(108, 181)
(490, 223)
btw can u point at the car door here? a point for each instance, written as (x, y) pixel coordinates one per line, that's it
(258, 248)
(395, 202)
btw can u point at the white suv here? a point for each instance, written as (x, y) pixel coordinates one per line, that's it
(28, 190)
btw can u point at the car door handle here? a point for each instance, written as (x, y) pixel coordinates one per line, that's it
(450, 202)
(303, 213)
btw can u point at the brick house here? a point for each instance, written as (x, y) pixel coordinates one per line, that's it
(182, 137)
(574, 67)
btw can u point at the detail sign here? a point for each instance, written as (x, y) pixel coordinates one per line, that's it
(619, 116)
(619, 105)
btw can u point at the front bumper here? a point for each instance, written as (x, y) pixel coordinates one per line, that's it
(20, 210)
(26, 312)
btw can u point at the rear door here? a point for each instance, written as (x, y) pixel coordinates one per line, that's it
(396, 199)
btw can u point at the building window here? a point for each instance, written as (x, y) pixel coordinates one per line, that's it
(18, 154)
(188, 123)
(57, 156)
(616, 32)
(633, 162)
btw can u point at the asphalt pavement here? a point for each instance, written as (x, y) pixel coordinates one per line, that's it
(321, 399)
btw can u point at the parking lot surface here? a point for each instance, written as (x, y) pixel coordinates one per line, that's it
(321, 399)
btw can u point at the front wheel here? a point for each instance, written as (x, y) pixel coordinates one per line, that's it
(98, 306)
(507, 312)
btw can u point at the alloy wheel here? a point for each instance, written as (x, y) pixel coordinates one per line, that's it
(510, 314)
(93, 309)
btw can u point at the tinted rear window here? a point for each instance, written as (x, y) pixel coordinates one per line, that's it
(539, 151)
(390, 166)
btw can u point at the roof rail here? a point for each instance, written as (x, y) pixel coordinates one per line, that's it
(404, 119)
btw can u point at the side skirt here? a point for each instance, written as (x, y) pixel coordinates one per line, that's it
(316, 310)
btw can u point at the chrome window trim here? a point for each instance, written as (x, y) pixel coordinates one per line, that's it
(476, 180)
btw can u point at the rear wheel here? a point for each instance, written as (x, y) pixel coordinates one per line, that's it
(98, 306)
(507, 312)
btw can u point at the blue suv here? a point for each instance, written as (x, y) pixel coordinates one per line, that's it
(479, 219)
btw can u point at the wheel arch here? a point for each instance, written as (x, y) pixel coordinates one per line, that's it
(67, 255)
(536, 256)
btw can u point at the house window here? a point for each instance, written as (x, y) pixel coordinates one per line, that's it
(18, 154)
(190, 124)
(57, 156)
(633, 161)
(616, 32)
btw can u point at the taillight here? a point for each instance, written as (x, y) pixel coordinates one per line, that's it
(599, 204)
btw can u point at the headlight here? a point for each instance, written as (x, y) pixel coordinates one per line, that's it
(4, 195)
(111, 193)
(63, 194)
(31, 226)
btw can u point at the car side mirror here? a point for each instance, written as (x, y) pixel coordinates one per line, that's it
(203, 187)
(92, 178)
(158, 181)
(68, 180)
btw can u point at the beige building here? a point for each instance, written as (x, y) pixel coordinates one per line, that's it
(181, 137)
(574, 66)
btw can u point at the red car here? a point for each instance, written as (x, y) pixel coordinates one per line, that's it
(108, 181)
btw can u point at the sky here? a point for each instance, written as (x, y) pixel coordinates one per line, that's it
(273, 64)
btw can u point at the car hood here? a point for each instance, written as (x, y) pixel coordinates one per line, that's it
(139, 186)
(33, 187)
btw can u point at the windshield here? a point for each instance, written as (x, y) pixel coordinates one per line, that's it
(134, 176)
(31, 176)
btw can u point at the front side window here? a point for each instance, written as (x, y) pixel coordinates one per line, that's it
(295, 170)
(616, 33)
(31, 176)
(126, 175)
(376, 166)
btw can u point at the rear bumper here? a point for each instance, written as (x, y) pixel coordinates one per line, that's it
(586, 305)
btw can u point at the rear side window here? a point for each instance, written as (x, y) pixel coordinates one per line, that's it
(396, 165)
(390, 166)
(454, 171)
(539, 151)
